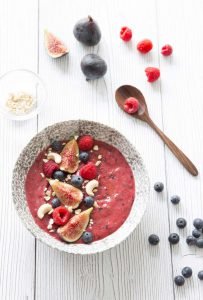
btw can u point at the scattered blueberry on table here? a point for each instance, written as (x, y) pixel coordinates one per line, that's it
(198, 223)
(175, 199)
(158, 186)
(199, 243)
(173, 238)
(200, 275)
(181, 223)
(187, 272)
(179, 280)
(196, 233)
(153, 239)
(191, 240)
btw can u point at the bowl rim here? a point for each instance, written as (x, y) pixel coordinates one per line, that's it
(107, 242)
(32, 113)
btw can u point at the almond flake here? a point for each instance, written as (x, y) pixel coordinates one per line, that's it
(49, 226)
(96, 148)
(69, 208)
(48, 193)
(77, 211)
(76, 137)
(45, 189)
(42, 174)
(63, 144)
(53, 194)
(98, 163)
(96, 204)
(47, 198)
(51, 230)
(45, 160)
(100, 156)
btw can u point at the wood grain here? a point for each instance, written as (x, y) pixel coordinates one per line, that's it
(133, 270)
(18, 48)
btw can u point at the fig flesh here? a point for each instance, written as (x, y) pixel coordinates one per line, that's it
(66, 193)
(93, 66)
(54, 46)
(70, 157)
(87, 31)
(75, 227)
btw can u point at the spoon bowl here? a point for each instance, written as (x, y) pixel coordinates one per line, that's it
(127, 91)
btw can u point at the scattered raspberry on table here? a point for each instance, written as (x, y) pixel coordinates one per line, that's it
(126, 34)
(144, 46)
(152, 74)
(166, 50)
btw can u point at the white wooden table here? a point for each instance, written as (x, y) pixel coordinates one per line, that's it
(133, 270)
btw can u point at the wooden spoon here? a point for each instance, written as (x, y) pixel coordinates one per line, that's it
(126, 91)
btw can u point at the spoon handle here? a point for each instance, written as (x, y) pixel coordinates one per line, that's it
(174, 149)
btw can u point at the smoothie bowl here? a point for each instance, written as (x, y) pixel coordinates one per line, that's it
(80, 187)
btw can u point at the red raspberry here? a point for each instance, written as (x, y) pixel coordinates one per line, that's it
(49, 168)
(89, 171)
(61, 215)
(131, 105)
(144, 46)
(166, 50)
(85, 142)
(152, 74)
(126, 34)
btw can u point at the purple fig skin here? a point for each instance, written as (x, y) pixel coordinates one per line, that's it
(87, 31)
(93, 66)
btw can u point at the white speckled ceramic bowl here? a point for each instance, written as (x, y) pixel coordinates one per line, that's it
(63, 131)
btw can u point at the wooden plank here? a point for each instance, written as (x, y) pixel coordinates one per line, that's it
(126, 271)
(18, 40)
(182, 94)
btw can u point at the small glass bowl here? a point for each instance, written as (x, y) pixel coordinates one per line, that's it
(26, 81)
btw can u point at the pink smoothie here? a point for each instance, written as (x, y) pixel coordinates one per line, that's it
(114, 197)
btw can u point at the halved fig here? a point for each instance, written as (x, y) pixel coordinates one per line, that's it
(70, 157)
(73, 230)
(67, 194)
(54, 46)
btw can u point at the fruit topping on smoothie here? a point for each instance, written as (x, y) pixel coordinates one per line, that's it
(76, 195)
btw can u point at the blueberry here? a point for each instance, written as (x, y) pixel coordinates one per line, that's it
(187, 272)
(196, 233)
(55, 202)
(76, 180)
(179, 280)
(191, 240)
(175, 199)
(181, 222)
(173, 238)
(56, 146)
(87, 237)
(60, 175)
(198, 223)
(200, 275)
(200, 243)
(158, 186)
(84, 156)
(88, 201)
(153, 239)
